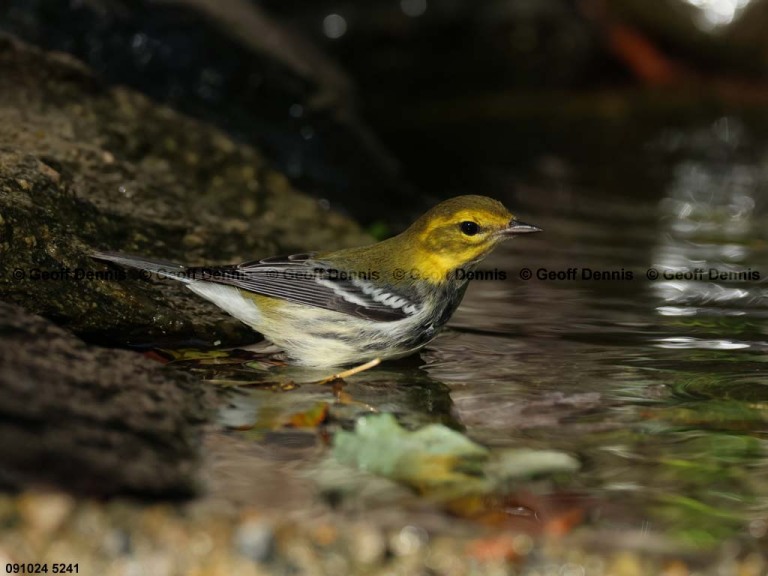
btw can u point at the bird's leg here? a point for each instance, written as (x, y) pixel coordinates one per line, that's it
(351, 371)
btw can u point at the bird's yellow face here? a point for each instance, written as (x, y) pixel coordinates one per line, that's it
(462, 231)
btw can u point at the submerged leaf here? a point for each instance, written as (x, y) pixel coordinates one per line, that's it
(188, 354)
(437, 459)
(432, 457)
(311, 418)
(522, 463)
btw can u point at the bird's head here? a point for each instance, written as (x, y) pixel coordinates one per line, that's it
(460, 232)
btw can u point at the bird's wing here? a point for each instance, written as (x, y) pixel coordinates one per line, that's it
(302, 279)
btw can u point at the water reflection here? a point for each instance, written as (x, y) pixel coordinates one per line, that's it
(676, 342)
(708, 255)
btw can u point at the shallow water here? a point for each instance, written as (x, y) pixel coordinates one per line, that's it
(654, 378)
(657, 381)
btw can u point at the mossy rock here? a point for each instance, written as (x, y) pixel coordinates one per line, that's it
(85, 166)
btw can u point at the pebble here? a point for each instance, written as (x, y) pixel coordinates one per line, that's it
(255, 539)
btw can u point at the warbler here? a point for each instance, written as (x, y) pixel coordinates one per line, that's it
(385, 300)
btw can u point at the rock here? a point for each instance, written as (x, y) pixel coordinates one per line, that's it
(255, 539)
(84, 166)
(91, 420)
(45, 513)
(228, 63)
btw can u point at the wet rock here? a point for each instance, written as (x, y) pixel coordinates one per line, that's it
(84, 166)
(230, 64)
(93, 421)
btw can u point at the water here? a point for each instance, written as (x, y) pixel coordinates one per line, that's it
(654, 377)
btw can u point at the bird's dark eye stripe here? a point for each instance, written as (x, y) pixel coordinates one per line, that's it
(469, 228)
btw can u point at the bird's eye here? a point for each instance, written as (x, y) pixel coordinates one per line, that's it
(469, 228)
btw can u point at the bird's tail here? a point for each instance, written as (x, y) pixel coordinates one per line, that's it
(162, 268)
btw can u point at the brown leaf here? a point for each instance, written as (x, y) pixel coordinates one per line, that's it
(311, 418)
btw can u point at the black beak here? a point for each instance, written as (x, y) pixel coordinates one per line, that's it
(516, 227)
